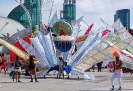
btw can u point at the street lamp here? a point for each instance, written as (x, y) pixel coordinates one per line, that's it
(4, 26)
(27, 12)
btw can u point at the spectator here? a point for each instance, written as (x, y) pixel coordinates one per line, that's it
(93, 68)
(17, 67)
(99, 65)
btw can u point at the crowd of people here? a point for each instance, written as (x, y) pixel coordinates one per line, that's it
(99, 67)
(115, 67)
(17, 67)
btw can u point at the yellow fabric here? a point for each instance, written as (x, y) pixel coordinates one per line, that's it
(16, 50)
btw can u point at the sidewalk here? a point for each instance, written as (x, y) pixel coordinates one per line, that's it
(51, 83)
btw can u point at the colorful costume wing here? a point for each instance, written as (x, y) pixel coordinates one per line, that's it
(100, 53)
(53, 20)
(127, 60)
(80, 40)
(78, 21)
(67, 55)
(97, 54)
(16, 50)
(30, 50)
(37, 45)
(13, 39)
(51, 48)
(51, 58)
(88, 47)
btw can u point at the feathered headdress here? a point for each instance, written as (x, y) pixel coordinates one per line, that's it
(115, 52)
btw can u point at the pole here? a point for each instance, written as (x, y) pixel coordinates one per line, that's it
(4, 26)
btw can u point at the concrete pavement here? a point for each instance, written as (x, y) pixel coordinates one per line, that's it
(51, 83)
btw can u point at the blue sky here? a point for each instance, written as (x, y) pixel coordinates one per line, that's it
(92, 10)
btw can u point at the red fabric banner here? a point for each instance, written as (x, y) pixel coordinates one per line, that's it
(17, 44)
(45, 26)
(105, 32)
(88, 30)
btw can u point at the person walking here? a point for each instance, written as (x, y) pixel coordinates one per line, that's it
(32, 68)
(99, 65)
(117, 69)
(17, 67)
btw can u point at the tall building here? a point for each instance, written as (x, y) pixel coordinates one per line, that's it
(18, 13)
(69, 10)
(124, 16)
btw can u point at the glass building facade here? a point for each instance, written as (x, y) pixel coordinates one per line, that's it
(69, 9)
(124, 16)
(18, 13)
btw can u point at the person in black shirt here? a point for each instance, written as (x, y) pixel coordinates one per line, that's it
(17, 67)
(32, 68)
(99, 65)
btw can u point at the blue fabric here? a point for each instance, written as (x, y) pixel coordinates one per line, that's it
(54, 68)
(63, 46)
(66, 68)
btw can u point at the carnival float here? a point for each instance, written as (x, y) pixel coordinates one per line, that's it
(94, 48)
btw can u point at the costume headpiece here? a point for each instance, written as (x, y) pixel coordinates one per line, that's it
(115, 52)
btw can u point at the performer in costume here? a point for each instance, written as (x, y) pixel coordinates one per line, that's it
(61, 67)
(17, 67)
(117, 68)
(32, 67)
(4, 67)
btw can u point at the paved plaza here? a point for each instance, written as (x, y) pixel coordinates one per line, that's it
(51, 83)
